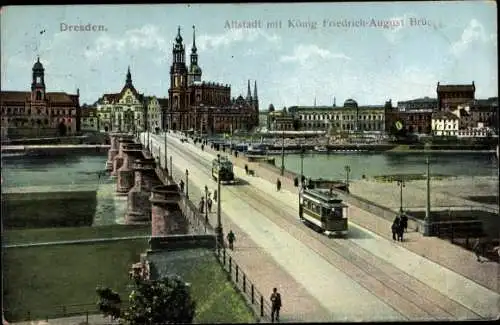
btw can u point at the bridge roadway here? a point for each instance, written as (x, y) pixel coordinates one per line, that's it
(364, 277)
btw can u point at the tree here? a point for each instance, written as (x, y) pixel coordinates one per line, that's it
(167, 300)
(163, 301)
(109, 302)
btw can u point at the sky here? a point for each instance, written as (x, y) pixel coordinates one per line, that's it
(371, 52)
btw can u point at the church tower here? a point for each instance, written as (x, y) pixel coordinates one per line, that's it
(128, 81)
(249, 94)
(194, 69)
(178, 82)
(255, 103)
(38, 82)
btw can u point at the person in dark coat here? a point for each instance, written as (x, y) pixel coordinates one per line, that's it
(209, 204)
(230, 239)
(275, 305)
(400, 231)
(246, 169)
(404, 222)
(395, 228)
(278, 184)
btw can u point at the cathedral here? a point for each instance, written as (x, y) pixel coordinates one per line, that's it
(205, 107)
(38, 113)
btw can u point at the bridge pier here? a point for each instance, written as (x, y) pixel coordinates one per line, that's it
(139, 206)
(166, 216)
(113, 150)
(118, 160)
(131, 151)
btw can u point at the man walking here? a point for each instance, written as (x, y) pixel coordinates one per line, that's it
(477, 249)
(231, 238)
(395, 228)
(278, 184)
(275, 305)
(209, 204)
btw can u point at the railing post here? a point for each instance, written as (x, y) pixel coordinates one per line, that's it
(29, 315)
(244, 283)
(64, 310)
(253, 294)
(236, 273)
(87, 317)
(261, 306)
(224, 256)
(230, 267)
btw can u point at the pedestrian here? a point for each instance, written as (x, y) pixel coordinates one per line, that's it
(209, 204)
(404, 222)
(215, 195)
(476, 248)
(278, 184)
(395, 227)
(246, 169)
(181, 185)
(400, 230)
(275, 305)
(230, 239)
(201, 205)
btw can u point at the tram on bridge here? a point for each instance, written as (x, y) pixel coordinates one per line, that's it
(323, 210)
(224, 168)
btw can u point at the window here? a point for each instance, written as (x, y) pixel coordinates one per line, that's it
(38, 95)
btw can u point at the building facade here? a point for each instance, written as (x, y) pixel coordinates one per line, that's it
(90, 119)
(156, 108)
(444, 124)
(206, 107)
(124, 111)
(38, 113)
(349, 118)
(450, 96)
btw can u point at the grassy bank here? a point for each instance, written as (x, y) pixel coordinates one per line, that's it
(23, 236)
(39, 279)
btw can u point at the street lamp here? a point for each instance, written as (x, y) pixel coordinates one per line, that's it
(171, 170)
(301, 166)
(427, 219)
(218, 230)
(401, 184)
(165, 152)
(283, 152)
(187, 184)
(206, 206)
(347, 169)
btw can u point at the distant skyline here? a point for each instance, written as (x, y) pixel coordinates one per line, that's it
(298, 53)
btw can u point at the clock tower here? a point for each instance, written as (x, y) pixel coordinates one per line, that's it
(38, 82)
(177, 94)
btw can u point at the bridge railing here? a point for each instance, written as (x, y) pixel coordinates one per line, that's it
(52, 312)
(253, 296)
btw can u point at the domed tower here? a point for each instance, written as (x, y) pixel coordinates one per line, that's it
(38, 82)
(194, 69)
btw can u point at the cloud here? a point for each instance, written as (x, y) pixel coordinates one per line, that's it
(393, 34)
(303, 53)
(474, 32)
(147, 37)
(232, 36)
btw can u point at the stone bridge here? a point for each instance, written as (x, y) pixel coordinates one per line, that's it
(153, 196)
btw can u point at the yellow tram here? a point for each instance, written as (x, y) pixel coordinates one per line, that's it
(322, 209)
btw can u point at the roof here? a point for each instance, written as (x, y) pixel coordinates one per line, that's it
(23, 96)
(451, 88)
(296, 109)
(444, 116)
(418, 100)
(163, 102)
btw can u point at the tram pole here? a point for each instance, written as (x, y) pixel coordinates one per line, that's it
(187, 184)
(401, 184)
(165, 153)
(347, 169)
(218, 230)
(301, 166)
(283, 151)
(427, 219)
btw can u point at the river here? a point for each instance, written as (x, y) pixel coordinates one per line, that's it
(331, 166)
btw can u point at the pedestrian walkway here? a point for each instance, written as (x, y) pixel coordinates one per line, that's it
(263, 270)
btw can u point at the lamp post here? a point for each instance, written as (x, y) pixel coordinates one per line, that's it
(301, 166)
(171, 170)
(165, 153)
(347, 169)
(283, 151)
(206, 207)
(218, 230)
(427, 219)
(187, 184)
(401, 184)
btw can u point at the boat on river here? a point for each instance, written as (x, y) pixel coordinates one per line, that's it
(320, 149)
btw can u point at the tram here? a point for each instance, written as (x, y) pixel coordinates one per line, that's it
(323, 210)
(224, 167)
